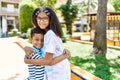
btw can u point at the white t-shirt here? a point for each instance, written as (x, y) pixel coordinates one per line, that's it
(61, 70)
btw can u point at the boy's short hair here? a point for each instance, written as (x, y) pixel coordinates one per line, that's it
(36, 30)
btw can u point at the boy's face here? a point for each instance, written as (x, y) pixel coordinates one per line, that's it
(37, 40)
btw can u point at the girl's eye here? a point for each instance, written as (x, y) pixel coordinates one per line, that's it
(42, 19)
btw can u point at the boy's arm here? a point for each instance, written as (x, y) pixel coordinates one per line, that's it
(22, 43)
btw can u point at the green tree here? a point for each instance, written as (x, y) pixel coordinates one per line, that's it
(25, 16)
(100, 45)
(85, 6)
(51, 4)
(116, 4)
(39, 2)
(69, 12)
(46, 3)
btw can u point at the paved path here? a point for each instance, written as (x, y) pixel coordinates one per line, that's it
(12, 66)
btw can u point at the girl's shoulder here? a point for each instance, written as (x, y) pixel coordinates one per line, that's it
(50, 33)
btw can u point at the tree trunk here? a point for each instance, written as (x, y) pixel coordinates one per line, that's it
(69, 29)
(100, 45)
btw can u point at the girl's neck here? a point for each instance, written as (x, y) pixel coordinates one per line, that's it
(46, 29)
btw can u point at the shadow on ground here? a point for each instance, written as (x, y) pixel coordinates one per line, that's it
(99, 65)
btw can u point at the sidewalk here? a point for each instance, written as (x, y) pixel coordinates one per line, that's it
(12, 66)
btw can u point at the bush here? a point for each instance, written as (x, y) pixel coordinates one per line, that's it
(64, 33)
(14, 32)
(28, 33)
(26, 10)
(64, 39)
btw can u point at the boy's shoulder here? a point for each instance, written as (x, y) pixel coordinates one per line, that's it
(36, 50)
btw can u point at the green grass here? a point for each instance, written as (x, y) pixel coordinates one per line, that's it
(105, 66)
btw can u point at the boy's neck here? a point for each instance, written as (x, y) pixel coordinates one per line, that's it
(36, 48)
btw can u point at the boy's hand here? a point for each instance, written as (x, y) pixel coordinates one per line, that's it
(29, 55)
(67, 53)
(28, 51)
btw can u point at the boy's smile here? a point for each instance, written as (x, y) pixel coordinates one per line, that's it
(37, 40)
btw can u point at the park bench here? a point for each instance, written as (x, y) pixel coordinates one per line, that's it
(76, 72)
(79, 74)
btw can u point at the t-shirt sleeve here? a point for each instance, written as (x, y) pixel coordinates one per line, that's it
(50, 44)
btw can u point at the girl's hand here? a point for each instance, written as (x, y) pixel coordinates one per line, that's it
(67, 53)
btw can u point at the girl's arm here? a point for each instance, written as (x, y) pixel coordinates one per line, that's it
(48, 60)
(41, 61)
(61, 57)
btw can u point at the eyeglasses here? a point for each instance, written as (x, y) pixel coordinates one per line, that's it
(43, 19)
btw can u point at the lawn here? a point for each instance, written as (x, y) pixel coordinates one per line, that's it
(105, 66)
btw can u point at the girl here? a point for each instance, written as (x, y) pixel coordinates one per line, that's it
(46, 19)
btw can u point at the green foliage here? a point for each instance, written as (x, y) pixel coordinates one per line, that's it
(26, 10)
(105, 66)
(116, 4)
(46, 3)
(39, 2)
(51, 4)
(64, 33)
(84, 6)
(64, 39)
(102, 67)
(14, 32)
(28, 33)
(69, 12)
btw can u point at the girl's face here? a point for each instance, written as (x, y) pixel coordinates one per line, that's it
(43, 20)
(37, 40)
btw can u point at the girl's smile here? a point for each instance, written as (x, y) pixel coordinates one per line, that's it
(43, 20)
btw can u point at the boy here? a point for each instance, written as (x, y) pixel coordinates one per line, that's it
(36, 38)
(38, 72)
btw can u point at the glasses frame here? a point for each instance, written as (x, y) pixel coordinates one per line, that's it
(44, 19)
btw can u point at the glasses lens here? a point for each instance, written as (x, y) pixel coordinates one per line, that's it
(43, 19)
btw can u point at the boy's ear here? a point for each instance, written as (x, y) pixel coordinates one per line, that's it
(30, 39)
